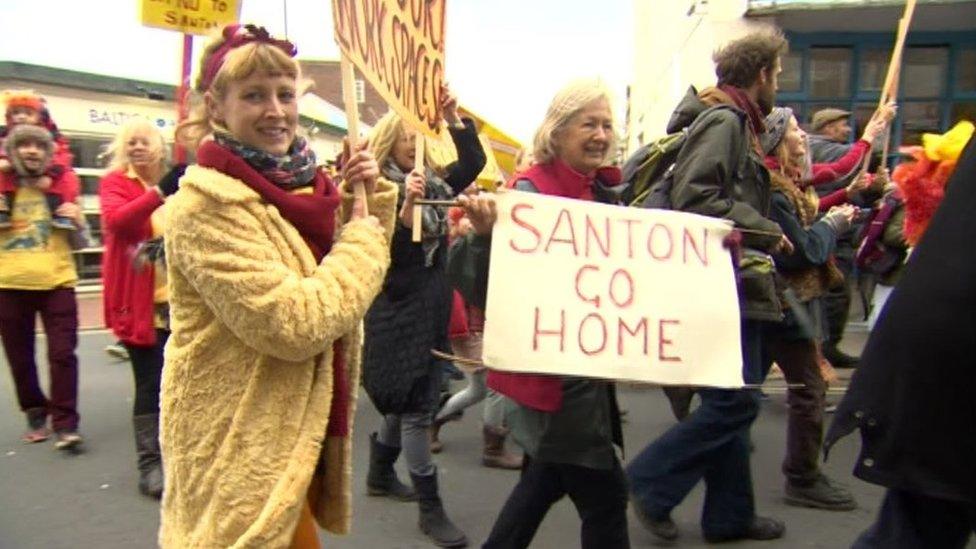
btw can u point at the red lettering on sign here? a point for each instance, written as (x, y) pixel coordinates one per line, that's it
(564, 216)
(527, 226)
(700, 249)
(623, 328)
(561, 331)
(653, 239)
(621, 274)
(662, 341)
(630, 236)
(595, 300)
(603, 335)
(593, 236)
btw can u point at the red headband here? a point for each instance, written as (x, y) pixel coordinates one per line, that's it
(234, 37)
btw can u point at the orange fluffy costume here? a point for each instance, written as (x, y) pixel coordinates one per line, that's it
(922, 181)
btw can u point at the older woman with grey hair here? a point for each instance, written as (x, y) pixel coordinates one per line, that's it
(567, 425)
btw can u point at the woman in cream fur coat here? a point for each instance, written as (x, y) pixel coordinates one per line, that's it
(271, 269)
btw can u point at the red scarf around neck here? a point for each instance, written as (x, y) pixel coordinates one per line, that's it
(314, 216)
(744, 102)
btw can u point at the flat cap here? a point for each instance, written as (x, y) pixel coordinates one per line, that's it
(825, 116)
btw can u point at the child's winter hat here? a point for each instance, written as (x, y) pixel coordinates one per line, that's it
(23, 133)
(22, 98)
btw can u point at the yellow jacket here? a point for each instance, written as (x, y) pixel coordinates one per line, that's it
(244, 403)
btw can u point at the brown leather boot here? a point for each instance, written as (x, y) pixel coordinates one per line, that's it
(495, 454)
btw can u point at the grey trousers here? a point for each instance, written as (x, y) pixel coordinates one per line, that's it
(409, 433)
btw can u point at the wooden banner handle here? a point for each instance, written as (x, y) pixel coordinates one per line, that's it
(418, 164)
(889, 92)
(352, 120)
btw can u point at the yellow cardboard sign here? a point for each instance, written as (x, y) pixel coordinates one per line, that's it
(399, 46)
(442, 153)
(190, 16)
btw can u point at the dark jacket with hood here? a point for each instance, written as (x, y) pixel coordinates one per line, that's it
(912, 394)
(718, 172)
(411, 314)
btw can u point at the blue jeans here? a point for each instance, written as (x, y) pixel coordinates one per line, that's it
(711, 444)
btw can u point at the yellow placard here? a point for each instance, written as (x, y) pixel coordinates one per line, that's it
(190, 16)
(500, 150)
(442, 153)
(399, 46)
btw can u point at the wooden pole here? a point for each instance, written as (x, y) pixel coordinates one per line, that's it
(352, 120)
(889, 91)
(182, 93)
(418, 164)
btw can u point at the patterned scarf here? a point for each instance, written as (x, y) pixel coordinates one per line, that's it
(294, 169)
(434, 220)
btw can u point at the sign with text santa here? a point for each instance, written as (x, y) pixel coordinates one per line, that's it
(587, 289)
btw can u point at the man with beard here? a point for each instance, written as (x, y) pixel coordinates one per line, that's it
(720, 173)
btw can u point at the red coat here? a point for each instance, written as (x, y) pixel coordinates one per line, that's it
(556, 178)
(128, 294)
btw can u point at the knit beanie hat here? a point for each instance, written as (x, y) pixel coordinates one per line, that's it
(776, 122)
(21, 98)
(27, 133)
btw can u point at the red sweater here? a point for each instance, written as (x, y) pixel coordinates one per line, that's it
(128, 293)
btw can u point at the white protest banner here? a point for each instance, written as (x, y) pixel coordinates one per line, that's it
(399, 46)
(587, 289)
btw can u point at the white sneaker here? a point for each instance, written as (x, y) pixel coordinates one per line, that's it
(117, 350)
(67, 440)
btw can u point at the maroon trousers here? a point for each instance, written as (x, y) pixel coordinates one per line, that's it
(800, 362)
(59, 314)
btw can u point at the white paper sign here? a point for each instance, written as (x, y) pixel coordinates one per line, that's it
(588, 289)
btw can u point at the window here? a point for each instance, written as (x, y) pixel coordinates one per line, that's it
(89, 161)
(966, 71)
(918, 117)
(830, 72)
(791, 79)
(937, 85)
(88, 151)
(923, 72)
(873, 69)
(962, 110)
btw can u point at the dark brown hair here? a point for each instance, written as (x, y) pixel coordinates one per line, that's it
(739, 62)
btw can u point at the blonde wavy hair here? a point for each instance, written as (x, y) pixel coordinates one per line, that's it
(239, 63)
(136, 126)
(384, 136)
(568, 102)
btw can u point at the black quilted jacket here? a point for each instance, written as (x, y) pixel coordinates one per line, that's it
(411, 314)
